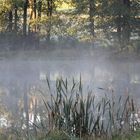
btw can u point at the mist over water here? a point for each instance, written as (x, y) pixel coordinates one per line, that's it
(100, 71)
(26, 72)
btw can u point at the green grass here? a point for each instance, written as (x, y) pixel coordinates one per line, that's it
(62, 136)
(59, 135)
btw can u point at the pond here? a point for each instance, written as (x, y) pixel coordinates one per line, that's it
(100, 73)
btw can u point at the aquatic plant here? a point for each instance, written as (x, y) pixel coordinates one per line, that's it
(80, 114)
(70, 112)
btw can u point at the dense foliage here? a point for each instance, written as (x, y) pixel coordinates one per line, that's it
(75, 20)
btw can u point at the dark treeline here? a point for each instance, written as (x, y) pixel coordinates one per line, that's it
(27, 22)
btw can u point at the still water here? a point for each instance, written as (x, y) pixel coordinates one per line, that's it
(102, 74)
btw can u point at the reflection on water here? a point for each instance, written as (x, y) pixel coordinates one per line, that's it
(118, 74)
(101, 76)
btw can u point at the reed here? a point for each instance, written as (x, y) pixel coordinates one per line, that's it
(81, 114)
(72, 113)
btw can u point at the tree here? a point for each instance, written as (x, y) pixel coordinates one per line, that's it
(117, 19)
(15, 17)
(39, 8)
(50, 7)
(25, 6)
(91, 16)
(87, 7)
(33, 14)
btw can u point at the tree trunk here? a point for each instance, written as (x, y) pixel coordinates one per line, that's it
(25, 6)
(15, 20)
(34, 9)
(126, 25)
(91, 16)
(39, 12)
(49, 14)
(39, 8)
(119, 29)
(33, 15)
(50, 8)
(10, 26)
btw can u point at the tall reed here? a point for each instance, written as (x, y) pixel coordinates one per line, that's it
(79, 114)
